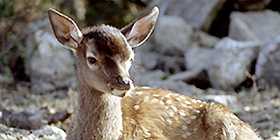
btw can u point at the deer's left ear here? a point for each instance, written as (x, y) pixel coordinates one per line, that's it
(138, 31)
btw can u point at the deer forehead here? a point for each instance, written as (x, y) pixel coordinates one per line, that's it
(106, 41)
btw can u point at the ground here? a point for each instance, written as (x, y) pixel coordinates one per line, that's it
(260, 109)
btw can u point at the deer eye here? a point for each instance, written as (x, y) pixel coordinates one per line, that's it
(91, 60)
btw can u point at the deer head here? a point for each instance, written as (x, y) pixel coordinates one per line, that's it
(103, 53)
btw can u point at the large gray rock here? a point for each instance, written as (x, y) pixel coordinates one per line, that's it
(48, 64)
(205, 40)
(268, 65)
(230, 62)
(199, 58)
(156, 79)
(198, 13)
(260, 25)
(172, 35)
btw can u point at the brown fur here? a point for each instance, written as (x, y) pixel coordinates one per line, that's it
(106, 110)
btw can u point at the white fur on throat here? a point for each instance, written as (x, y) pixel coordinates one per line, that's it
(112, 117)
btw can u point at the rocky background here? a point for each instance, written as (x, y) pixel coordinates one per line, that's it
(223, 51)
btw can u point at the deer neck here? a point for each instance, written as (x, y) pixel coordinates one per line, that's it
(99, 115)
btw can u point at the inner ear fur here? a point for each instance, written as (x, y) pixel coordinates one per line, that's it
(138, 31)
(65, 29)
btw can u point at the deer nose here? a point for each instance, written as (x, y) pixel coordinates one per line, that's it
(125, 83)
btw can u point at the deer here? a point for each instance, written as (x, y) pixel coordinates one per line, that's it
(110, 107)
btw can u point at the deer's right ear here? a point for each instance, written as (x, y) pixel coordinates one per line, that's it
(65, 29)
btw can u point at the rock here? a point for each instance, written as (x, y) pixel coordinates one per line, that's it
(205, 40)
(241, 31)
(148, 60)
(152, 60)
(156, 79)
(268, 66)
(172, 35)
(230, 62)
(198, 13)
(199, 58)
(250, 25)
(30, 118)
(222, 99)
(48, 132)
(186, 75)
(48, 64)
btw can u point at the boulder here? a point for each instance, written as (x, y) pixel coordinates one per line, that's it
(198, 13)
(230, 61)
(205, 40)
(48, 64)
(268, 66)
(156, 79)
(199, 58)
(172, 35)
(248, 26)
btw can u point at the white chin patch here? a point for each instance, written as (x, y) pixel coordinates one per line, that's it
(121, 92)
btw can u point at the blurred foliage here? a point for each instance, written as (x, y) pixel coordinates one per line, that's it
(15, 15)
(117, 13)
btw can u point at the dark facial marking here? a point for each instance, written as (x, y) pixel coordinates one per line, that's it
(108, 42)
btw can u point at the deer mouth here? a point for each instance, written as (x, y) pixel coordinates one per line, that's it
(120, 86)
(121, 93)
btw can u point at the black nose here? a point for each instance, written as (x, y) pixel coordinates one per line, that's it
(124, 82)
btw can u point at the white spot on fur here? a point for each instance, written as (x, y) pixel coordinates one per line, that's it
(139, 93)
(187, 102)
(136, 107)
(189, 133)
(183, 105)
(155, 95)
(184, 127)
(193, 117)
(161, 102)
(201, 105)
(171, 113)
(146, 132)
(154, 100)
(201, 115)
(167, 96)
(178, 99)
(197, 111)
(182, 113)
(146, 98)
(195, 129)
(168, 102)
(183, 97)
(184, 136)
(194, 101)
(233, 116)
(168, 121)
(174, 108)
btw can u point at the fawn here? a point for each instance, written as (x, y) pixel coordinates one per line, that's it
(110, 107)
